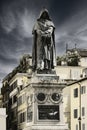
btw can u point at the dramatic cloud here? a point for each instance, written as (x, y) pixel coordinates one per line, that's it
(73, 31)
(25, 24)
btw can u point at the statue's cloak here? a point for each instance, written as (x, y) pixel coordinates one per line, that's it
(38, 55)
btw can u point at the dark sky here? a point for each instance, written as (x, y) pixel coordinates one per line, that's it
(17, 18)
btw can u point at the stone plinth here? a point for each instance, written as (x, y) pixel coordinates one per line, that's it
(47, 103)
(45, 78)
(47, 127)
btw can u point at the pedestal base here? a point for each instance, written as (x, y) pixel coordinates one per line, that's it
(48, 127)
(46, 103)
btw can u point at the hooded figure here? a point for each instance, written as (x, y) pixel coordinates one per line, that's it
(43, 56)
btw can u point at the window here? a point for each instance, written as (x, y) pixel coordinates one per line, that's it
(13, 86)
(75, 113)
(83, 111)
(55, 96)
(76, 126)
(29, 114)
(10, 101)
(76, 92)
(21, 99)
(21, 87)
(22, 117)
(14, 114)
(83, 126)
(41, 96)
(6, 96)
(83, 89)
(14, 99)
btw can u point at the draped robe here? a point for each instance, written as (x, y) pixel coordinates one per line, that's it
(43, 56)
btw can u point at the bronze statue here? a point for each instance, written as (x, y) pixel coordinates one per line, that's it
(43, 57)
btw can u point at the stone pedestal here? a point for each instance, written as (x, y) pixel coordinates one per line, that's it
(47, 105)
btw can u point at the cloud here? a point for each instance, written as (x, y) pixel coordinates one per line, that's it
(8, 21)
(20, 15)
(22, 23)
(73, 31)
(25, 23)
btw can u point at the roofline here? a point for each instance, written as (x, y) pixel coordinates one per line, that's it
(17, 75)
(77, 49)
(77, 81)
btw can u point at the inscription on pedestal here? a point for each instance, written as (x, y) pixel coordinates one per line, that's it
(48, 112)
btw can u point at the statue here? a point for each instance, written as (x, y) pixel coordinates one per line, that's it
(43, 56)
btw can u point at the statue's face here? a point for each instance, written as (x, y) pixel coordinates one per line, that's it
(44, 15)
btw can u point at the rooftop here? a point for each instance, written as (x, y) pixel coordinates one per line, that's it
(81, 52)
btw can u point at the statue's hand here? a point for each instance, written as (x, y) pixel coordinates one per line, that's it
(40, 32)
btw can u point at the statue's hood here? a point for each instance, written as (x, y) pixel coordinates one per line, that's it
(42, 12)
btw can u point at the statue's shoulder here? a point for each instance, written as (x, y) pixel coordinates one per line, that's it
(36, 26)
(50, 23)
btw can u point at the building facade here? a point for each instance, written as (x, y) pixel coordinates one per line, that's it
(71, 73)
(79, 105)
(12, 85)
(17, 84)
(22, 102)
